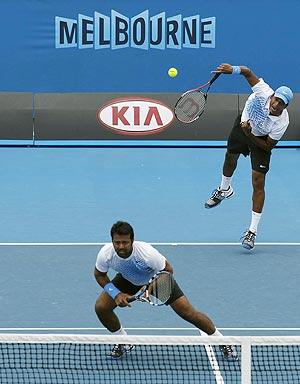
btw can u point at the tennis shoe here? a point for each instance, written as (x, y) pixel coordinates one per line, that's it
(119, 350)
(229, 352)
(218, 195)
(248, 239)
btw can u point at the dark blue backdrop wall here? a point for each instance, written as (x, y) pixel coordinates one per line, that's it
(128, 46)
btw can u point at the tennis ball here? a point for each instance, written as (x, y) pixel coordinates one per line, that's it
(172, 72)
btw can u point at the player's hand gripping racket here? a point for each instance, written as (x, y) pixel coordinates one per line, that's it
(157, 292)
(191, 104)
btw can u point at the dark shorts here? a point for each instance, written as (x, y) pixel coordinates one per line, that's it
(238, 143)
(127, 287)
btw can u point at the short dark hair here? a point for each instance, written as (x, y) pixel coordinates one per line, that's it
(122, 228)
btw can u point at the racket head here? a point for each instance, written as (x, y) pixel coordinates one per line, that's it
(159, 288)
(190, 106)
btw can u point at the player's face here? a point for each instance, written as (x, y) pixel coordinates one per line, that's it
(122, 245)
(276, 106)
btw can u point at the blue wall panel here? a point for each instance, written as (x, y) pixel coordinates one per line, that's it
(261, 34)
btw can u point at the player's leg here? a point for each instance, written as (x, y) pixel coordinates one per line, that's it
(105, 305)
(104, 308)
(225, 190)
(229, 166)
(180, 305)
(260, 161)
(186, 311)
(236, 144)
(258, 195)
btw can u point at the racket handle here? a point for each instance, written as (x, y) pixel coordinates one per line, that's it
(131, 299)
(214, 78)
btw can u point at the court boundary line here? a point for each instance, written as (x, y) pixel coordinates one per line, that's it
(152, 243)
(213, 362)
(145, 329)
(94, 143)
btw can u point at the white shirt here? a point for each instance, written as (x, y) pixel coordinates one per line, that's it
(138, 268)
(257, 111)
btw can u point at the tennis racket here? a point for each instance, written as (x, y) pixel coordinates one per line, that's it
(157, 292)
(191, 104)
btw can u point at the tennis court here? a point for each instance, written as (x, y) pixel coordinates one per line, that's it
(54, 286)
(53, 230)
(100, 122)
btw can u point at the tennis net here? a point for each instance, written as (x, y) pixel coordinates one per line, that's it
(65, 359)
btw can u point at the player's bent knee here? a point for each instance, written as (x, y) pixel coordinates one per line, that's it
(231, 158)
(98, 307)
(102, 308)
(186, 312)
(231, 155)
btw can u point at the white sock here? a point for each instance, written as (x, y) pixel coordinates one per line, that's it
(254, 221)
(120, 331)
(225, 183)
(216, 333)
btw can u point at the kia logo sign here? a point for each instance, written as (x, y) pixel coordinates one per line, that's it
(135, 116)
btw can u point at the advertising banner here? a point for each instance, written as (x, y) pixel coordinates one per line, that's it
(128, 46)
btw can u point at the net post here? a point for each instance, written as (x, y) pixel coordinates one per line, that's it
(246, 360)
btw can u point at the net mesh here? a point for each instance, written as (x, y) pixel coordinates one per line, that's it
(190, 106)
(276, 363)
(64, 359)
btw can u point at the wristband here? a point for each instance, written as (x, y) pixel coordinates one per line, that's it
(112, 290)
(236, 70)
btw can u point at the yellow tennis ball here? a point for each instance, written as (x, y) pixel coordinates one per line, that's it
(172, 72)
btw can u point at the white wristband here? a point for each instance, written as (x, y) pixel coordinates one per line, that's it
(236, 70)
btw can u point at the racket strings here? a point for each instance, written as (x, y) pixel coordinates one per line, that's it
(160, 289)
(190, 106)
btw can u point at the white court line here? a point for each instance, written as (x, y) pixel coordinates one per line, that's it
(167, 244)
(213, 362)
(143, 329)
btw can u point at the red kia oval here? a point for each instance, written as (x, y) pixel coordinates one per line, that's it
(135, 116)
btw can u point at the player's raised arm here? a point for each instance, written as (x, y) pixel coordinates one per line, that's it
(229, 69)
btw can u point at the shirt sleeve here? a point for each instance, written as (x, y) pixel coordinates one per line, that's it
(262, 89)
(245, 115)
(102, 259)
(277, 133)
(155, 259)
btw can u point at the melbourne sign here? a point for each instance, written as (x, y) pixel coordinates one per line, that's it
(140, 31)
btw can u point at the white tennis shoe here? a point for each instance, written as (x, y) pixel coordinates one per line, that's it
(218, 195)
(119, 350)
(248, 239)
(229, 352)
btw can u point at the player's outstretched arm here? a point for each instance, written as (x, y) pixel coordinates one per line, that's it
(238, 69)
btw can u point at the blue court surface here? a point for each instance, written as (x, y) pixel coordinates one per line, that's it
(74, 195)
(53, 286)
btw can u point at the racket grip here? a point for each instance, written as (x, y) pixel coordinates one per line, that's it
(214, 78)
(131, 299)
